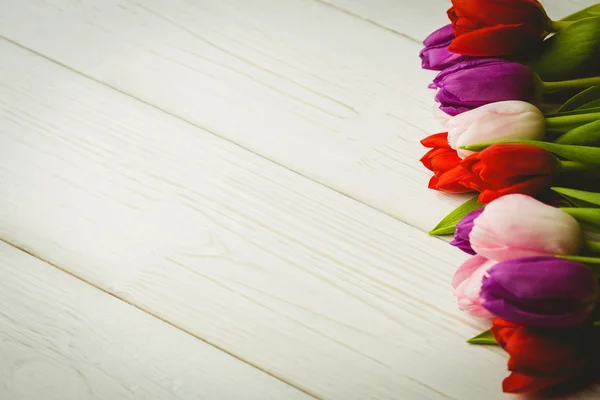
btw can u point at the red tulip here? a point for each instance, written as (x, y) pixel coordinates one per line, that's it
(509, 168)
(543, 358)
(445, 164)
(497, 28)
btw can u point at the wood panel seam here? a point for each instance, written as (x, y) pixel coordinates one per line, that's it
(369, 21)
(212, 132)
(49, 263)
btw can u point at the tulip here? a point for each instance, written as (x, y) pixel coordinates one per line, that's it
(467, 282)
(504, 120)
(542, 359)
(546, 292)
(441, 116)
(445, 164)
(510, 168)
(518, 226)
(474, 83)
(463, 230)
(435, 55)
(497, 28)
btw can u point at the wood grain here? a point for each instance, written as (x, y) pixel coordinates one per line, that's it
(61, 339)
(312, 287)
(321, 92)
(340, 76)
(416, 22)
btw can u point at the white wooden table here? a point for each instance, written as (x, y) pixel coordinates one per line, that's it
(222, 199)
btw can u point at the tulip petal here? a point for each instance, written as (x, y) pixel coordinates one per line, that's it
(441, 36)
(436, 140)
(540, 291)
(517, 383)
(492, 12)
(516, 226)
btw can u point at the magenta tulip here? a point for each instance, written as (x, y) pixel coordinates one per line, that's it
(435, 55)
(474, 83)
(463, 230)
(545, 292)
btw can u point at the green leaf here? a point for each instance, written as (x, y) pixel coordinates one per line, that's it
(447, 226)
(589, 216)
(593, 261)
(585, 13)
(483, 338)
(571, 53)
(581, 99)
(583, 154)
(588, 197)
(577, 111)
(584, 135)
(589, 228)
(592, 105)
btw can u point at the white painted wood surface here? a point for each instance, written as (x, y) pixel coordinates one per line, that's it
(62, 339)
(312, 88)
(140, 192)
(311, 85)
(300, 281)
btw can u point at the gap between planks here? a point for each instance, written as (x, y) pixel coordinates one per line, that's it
(212, 132)
(145, 311)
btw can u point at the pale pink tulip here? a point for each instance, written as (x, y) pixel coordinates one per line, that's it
(467, 283)
(504, 120)
(518, 226)
(441, 116)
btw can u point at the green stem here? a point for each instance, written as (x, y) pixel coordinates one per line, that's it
(581, 83)
(556, 26)
(593, 246)
(569, 121)
(568, 166)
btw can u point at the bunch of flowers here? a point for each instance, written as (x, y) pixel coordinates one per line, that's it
(521, 107)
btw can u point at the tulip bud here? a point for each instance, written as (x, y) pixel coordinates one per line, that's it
(517, 226)
(504, 120)
(541, 359)
(497, 28)
(467, 282)
(445, 164)
(474, 83)
(463, 230)
(435, 55)
(573, 52)
(545, 292)
(506, 168)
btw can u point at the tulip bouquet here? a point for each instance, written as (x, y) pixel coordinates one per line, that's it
(521, 107)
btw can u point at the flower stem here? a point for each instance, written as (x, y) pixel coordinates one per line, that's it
(593, 246)
(569, 121)
(556, 26)
(581, 83)
(568, 166)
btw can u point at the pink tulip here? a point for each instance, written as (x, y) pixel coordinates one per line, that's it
(467, 283)
(518, 226)
(495, 121)
(441, 116)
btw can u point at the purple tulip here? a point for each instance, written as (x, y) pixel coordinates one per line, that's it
(477, 82)
(463, 229)
(545, 292)
(435, 55)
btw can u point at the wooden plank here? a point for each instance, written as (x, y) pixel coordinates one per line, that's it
(342, 76)
(63, 339)
(418, 22)
(321, 92)
(313, 287)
